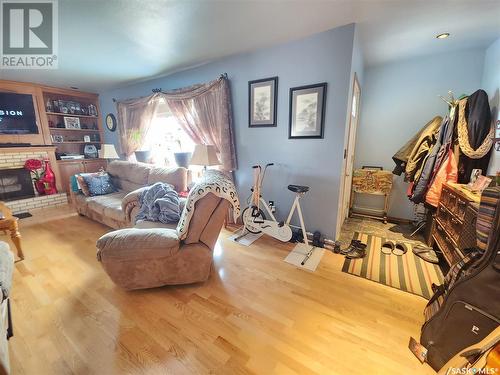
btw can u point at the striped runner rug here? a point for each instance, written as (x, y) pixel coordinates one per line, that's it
(408, 272)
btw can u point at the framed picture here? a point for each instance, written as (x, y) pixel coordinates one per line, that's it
(86, 138)
(57, 138)
(72, 122)
(262, 102)
(307, 111)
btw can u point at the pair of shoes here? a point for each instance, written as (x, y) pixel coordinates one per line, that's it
(392, 247)
(356, 249)
(355, 244)
(356, 253)
(426, 253)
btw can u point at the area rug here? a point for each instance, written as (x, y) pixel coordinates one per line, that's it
(297, 255)
(408, 272)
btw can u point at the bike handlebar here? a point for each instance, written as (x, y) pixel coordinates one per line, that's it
(258, 166)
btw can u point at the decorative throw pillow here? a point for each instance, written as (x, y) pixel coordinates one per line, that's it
(98, 183)
(82, 185)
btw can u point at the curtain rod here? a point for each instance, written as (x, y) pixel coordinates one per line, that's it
(157, 90)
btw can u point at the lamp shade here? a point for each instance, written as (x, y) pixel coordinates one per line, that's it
(108, 151)
(204, 155)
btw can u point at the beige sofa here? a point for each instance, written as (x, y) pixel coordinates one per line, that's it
(118, 210)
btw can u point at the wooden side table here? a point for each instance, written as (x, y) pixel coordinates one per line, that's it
(9, 223)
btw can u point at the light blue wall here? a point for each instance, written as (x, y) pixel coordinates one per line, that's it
(491, 84)
(324, 57)
(399, 98)
(358, 65)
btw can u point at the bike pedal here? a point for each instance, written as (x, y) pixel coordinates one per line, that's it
(281, 223)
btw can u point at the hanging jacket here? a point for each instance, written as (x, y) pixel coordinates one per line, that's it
(475, 116)
(446, 145)
(421, 150)
(401, 156)
(422, 185)
(446, 173)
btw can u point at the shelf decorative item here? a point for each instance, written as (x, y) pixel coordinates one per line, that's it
(92, 110)
(49, 179)
(49, 106)
(55, 106)
(56, 138)
(72, 123)
(35, 167)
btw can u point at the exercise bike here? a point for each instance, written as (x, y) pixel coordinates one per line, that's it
(255, 220)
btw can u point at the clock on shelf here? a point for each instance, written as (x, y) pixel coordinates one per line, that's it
(111, 122)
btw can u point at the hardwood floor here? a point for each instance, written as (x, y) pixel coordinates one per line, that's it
(256, 314)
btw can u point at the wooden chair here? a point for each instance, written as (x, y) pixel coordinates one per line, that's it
(10, 223)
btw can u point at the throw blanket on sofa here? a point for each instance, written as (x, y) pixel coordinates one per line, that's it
(159, 202)
(215, 182)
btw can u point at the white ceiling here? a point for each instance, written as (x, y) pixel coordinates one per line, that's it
(106, 44)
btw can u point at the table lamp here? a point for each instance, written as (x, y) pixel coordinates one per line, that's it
(108, 151)
(204, 155)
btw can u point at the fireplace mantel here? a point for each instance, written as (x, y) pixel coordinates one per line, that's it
(13, 150)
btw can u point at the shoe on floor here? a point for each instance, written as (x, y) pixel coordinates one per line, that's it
(388, 247)
(400, 249)
(354, 245)
(356, 253)
(426, 253)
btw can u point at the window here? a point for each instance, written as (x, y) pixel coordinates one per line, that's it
(166, 136)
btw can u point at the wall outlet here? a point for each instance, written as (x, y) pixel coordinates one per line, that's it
(272, 206)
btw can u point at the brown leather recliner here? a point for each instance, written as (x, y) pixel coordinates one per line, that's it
(147, 258)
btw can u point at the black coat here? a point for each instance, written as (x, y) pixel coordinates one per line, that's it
(478, 114)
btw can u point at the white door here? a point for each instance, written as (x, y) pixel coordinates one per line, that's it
(349, 153)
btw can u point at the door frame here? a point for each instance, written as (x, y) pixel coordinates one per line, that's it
(349, 150)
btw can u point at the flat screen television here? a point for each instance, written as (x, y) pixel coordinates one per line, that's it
(17, 114)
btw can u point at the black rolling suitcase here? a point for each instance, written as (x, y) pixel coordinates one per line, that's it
(466, 308)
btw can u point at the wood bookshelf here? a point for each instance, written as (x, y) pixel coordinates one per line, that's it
(61, 103)
(50, 123)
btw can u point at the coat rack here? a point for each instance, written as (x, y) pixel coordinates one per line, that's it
(452, 101)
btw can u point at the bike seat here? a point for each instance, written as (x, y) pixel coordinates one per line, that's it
(298, 188)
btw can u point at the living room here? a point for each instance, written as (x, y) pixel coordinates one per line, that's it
(194, 187)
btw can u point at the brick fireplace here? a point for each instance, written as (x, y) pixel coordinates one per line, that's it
(16, 185)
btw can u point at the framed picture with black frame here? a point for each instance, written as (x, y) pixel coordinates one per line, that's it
(307, 111)
(262, 102)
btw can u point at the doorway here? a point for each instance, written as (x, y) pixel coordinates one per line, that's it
(348, 163)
